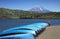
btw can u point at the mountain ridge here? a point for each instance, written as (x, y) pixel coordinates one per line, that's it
(9, 13)
(39, 9)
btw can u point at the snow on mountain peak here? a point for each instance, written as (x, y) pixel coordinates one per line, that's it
(39, 9)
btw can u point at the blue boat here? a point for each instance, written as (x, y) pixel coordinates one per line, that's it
(35, 27)
(17, 36)
(23, 32)
(20, 31)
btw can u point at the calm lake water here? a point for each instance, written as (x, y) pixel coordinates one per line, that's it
(10, 23)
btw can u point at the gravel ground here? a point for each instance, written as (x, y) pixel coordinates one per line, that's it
(52, 32)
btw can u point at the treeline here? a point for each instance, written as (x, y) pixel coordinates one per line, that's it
(9, 13)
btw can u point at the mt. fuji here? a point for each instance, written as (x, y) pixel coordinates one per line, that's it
(39, 9)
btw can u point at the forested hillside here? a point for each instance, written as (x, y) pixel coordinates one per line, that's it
(9, 13)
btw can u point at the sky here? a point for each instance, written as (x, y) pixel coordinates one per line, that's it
(52, 5)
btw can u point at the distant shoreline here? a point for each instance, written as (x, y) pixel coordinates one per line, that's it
(29, 18)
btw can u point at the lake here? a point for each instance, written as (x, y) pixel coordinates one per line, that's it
(10, 23)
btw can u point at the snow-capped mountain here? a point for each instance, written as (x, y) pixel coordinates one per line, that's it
(39, 9)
